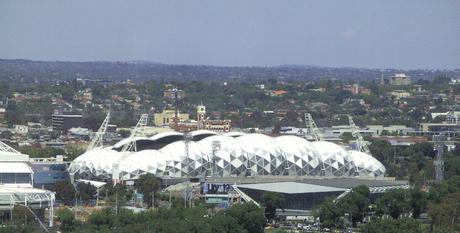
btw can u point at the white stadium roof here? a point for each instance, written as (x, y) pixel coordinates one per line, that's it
(14, 167)
(236, 154)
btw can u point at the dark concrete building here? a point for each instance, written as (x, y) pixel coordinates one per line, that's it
(63, 122)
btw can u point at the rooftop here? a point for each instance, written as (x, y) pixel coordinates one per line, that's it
(291, 187)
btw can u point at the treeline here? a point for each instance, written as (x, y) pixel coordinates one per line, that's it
(397, 210)
(240, 218)
(45, 70)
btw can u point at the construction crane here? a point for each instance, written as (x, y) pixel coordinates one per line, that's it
(98, 138)
(137, 131)
(360, 143)
(312, 129)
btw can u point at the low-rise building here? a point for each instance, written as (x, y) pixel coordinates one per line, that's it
(63, 122)
(400, 80)
(171, 94)
(167, 116)
(400, 94)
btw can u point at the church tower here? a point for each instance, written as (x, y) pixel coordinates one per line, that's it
(200, 114)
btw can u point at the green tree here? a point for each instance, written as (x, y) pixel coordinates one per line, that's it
(393, 203)
(249, 216)
(103, 217)
(330, 214)
(445, 216)
(382, 150)
(67, 219)
(64, 191)
(272, 201)
(224, 223)
(418, 202)
(86, 191)
(346, 137)
(148, 185)
(403, 225)
(356, 203)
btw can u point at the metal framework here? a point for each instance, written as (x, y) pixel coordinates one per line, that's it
(451, 117)
(362, 146)
(137, 131)
(312, 129)
(439, 161)
(5, 148)
(42, 199)
(215, 148)
(98, 138)
(187, 139)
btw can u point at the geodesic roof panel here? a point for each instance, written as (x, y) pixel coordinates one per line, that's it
(96, 162)
(146, 161)
(367, 165)
(248, 154)
(335, 159)
(228, 157)
(264, 155)
(300, 155)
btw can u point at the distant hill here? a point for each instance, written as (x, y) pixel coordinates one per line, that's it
(145, 70)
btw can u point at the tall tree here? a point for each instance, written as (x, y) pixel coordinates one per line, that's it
(148, 185)
(272, 201)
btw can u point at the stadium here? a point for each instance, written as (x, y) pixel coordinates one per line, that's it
(203, 153)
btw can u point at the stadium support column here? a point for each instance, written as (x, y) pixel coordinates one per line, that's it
(439, 161)
(176, 119)
(51, 211)
(115, 174)
(215, 148)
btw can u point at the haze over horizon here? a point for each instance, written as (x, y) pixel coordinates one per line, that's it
(414, 34)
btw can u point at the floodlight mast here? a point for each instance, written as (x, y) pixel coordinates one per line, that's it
(439, 142)
(312, 128)
(187, 138)
(98, 138)
(359, 139)
(137, 131)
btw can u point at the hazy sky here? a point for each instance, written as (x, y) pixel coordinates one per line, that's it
(358, 33)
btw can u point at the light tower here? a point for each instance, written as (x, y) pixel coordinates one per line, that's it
(439, 161)
(98, 138)
(312, 129)
(137, 131)
(187, 138)
(360, 143)
(215, 148)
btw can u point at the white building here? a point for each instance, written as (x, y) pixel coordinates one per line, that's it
(16, 185)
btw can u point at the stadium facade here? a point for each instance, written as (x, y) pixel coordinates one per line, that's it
(204, 153)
